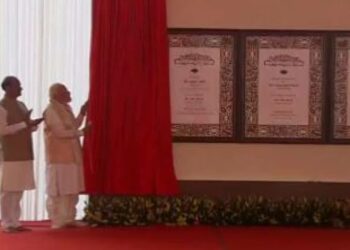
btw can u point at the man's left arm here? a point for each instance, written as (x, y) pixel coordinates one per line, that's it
(80, 118)
(33, 124)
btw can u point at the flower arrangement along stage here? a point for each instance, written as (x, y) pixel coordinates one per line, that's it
(189, 210)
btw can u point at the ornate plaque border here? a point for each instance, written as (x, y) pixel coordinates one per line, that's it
(340, 131)
(314, 132)
(227, 42)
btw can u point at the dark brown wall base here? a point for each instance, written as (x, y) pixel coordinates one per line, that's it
(274, 190)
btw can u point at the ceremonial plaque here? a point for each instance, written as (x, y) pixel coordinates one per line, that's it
(283, 87)
(340, 98)
(202, 85)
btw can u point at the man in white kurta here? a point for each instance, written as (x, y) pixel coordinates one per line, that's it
(63, 157)
(16, 168)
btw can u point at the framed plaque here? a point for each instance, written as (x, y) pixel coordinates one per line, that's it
(340, 94)
(283, 83)
(202, 85)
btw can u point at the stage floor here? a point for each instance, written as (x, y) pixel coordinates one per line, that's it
(174, 237)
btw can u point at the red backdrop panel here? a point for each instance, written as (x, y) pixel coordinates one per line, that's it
(129, 149)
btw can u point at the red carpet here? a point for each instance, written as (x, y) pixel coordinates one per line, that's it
(276, 238)
(171, 238)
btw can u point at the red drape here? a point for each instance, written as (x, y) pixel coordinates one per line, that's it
(129, 150)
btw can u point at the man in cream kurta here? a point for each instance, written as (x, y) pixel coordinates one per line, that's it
(63, 157)
(16, 169)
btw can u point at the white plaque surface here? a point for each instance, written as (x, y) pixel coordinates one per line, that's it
(283, 87)
(195, 85)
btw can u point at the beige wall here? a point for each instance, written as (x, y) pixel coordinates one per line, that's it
(260, 14)
(267, 162)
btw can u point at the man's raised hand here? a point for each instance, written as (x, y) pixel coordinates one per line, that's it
(84, 108)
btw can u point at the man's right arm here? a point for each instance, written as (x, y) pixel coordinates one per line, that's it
(54, 122)
(6, 129)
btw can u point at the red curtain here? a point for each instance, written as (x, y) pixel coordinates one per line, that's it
(129, 150)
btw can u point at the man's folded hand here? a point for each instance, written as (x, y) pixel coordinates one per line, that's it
(35, 122)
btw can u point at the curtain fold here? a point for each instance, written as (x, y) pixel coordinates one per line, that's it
(129, 149)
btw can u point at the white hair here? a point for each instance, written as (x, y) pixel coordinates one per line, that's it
(54, 89)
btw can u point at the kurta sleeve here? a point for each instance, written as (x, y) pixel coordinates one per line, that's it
(6, 129)
(54, 123)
